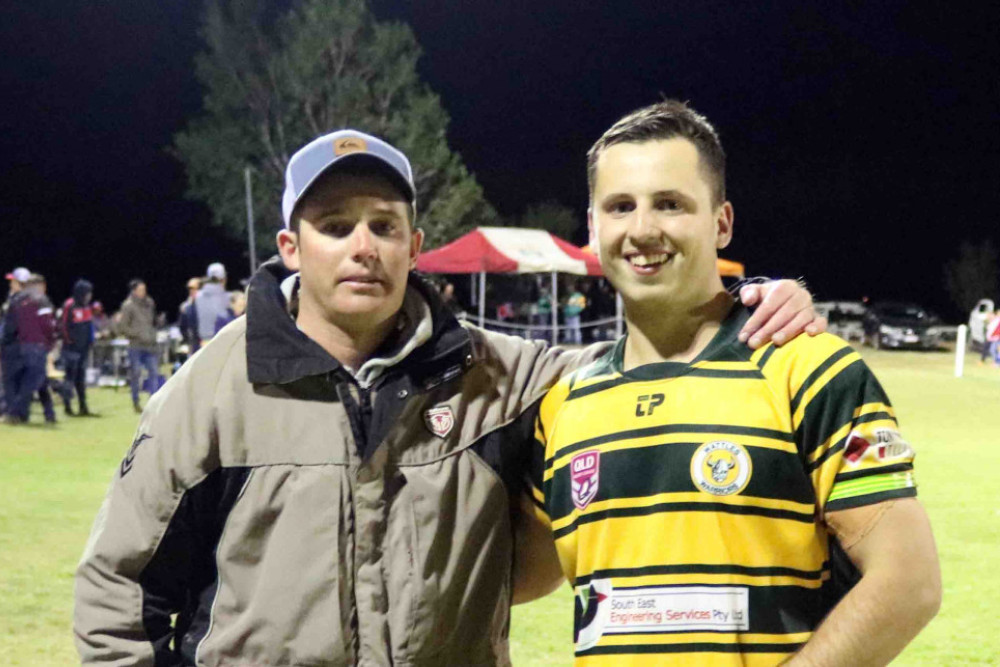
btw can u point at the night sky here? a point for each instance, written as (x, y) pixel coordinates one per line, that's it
(863, 138)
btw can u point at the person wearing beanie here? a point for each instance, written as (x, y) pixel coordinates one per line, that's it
(76, 327)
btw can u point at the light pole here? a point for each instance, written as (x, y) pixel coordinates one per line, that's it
(250, 230)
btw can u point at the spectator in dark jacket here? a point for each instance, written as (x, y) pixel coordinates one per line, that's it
(137, 322)
(77, 331)
(38, 286)
(237, 304)
(8, 344)
(187, 317)
(30, 325)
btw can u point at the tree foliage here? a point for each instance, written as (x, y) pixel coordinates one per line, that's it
(551, 216)
(973, 274)
(274, 80)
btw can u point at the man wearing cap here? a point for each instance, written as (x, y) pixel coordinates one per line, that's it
(211, 302)
(187, 320)
(28, 334)
(16, 280)
(336, 478)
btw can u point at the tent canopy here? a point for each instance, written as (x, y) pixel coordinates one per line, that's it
(508, 250)
(519, 250)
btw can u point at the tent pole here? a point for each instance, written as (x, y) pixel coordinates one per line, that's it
(482, 298)
(472, 287)
(555, 308)
(619, 309)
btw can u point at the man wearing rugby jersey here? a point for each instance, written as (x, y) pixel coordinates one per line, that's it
(712, 504)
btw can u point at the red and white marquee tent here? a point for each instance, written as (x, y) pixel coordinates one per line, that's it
(509, 250)
(518, 250)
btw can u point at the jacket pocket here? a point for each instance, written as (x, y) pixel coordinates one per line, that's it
(458, 556)
(284, 591)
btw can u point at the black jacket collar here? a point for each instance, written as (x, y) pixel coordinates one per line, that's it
(279, 353)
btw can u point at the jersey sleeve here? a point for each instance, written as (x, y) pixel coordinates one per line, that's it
(847, 433)
(541, 458)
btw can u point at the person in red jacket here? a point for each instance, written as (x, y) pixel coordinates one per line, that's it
(76, 328)
(30, 324)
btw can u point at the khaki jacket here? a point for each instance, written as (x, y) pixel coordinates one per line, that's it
(138, 322)
(290, 517)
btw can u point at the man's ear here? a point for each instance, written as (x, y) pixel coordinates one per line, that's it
(724, 225)
(288, 248)
(416, 243)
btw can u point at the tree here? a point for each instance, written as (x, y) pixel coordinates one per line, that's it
(551, 216)
(275, 80)
(972, 275)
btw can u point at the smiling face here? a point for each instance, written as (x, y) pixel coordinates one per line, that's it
(655, 224)
(354, 248)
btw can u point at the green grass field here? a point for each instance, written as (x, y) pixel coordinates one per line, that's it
(52, 481)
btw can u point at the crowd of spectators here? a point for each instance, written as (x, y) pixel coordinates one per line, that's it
(46, 350)
(522, 305)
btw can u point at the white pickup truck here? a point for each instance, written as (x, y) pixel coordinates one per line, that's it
(978, 319)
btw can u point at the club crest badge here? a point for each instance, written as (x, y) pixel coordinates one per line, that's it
(440, 420)
(585, 471)
(721, 468)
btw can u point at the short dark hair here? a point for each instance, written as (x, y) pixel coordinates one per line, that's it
(666, 120)
(135, 282)
(358, 168)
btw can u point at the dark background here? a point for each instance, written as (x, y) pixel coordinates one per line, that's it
(862, 137)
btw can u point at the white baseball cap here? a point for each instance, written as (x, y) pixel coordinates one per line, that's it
(20, 274)
(337, 148)
(216, 270)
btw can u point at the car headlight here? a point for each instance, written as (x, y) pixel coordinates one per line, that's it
(889, 331)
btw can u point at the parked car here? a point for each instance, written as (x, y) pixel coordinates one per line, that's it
(845, 318)
(897, 325)
(978, 319)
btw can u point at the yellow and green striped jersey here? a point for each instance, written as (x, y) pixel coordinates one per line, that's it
(687, 499)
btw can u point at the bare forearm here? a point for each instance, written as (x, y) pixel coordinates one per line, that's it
(899, 592)
(873, 623)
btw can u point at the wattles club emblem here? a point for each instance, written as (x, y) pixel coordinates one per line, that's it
(721, 468)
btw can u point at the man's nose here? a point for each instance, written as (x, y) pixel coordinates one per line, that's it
(643, 227)
(363, 246)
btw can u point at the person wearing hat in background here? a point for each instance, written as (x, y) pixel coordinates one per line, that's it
(28, 334)
(335, 478)
(187, 318)
(137, 322)
(16, 280)
(211, 302)
(76, 326)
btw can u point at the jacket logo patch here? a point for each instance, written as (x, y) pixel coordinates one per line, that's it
(440, 421)
(130, 456)
(585, 469)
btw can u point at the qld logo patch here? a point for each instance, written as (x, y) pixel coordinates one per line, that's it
(721, 468)
(585, 469)
(440, 420)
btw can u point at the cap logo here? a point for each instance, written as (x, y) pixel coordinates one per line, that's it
(349, 145)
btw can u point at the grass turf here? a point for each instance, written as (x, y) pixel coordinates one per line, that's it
(52, 481)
